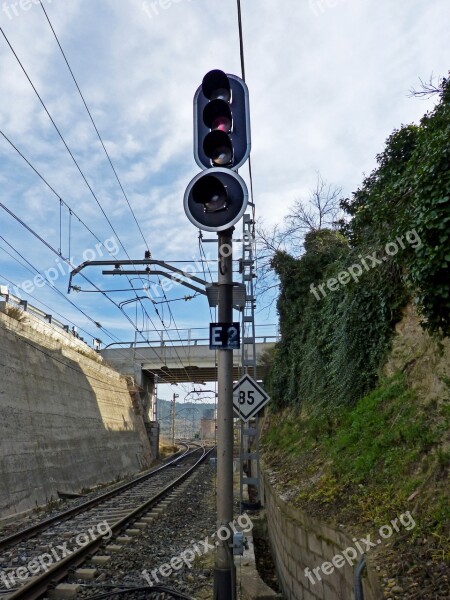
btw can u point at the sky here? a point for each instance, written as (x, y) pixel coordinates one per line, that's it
(329, 80)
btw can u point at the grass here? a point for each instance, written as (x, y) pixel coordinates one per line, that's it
(364, 462)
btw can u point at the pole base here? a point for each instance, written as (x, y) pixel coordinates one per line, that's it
(223, 584)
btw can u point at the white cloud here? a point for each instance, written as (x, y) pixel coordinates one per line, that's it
(325, 92)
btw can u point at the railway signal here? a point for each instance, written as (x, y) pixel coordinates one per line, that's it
(221, 121)
(215, 200)
(217, 197)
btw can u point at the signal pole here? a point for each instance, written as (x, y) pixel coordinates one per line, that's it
(225, 573)
(215, 200)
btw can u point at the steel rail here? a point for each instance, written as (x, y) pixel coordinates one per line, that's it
(25, 534)
(40, 584)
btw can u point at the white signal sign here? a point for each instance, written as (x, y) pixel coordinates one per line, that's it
(248, 397)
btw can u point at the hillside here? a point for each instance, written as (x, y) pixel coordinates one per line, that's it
(358, 433)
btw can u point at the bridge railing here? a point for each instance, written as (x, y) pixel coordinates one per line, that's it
(195, 336)
(8, 300)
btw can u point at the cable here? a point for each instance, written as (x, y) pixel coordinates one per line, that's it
(50, 187)
(93, 193)
(112, 336)
(62, 316)
(96, 323)
(62, 138)
(241, 53)
(95, 127)
(72, 156)
(172, 319)
(71, 211)
(60, 226)
(241, 38)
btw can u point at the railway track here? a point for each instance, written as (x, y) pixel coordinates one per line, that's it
(35, 559)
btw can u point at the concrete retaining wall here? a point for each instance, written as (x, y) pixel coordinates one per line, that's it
(66, 421)
(298, 542)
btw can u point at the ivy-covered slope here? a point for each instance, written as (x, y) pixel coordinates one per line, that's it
(358, 430)
(340, 301)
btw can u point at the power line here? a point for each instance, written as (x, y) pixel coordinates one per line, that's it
(50, 284)
(241, 53)
(70, 153)
(112, 166)
(71, 211)
(95, 127)
(112, 336)
(87, 183)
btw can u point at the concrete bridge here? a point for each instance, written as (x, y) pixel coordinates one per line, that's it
(182, 359)
(176, 357)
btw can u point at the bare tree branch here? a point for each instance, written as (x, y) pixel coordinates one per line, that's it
(428, 88)
(321, 211)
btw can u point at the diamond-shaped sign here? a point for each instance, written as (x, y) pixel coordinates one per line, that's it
(248, 397)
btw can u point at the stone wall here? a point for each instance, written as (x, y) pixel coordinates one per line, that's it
(299, 542)
(66, 421)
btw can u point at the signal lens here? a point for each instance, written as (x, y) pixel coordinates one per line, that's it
(221, 94)
(222, 124)
(217, 146)
(210, 192)
(222, 156)
(218, 112)
(216, 84)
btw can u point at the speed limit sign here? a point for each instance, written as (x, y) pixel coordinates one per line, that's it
(248, 398)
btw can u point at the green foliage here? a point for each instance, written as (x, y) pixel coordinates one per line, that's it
(375, 454)
(410, 191)
(381, 437)
(332, 346)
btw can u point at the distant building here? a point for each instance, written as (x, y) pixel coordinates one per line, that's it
(208, 424)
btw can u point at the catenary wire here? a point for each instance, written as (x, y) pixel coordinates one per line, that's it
(92, 192)
(95, 127)
(172, 319)
(71, 211)
(21, 222)
(109, 334)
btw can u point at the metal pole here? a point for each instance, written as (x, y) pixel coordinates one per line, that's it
(224, 573)
(173, 418)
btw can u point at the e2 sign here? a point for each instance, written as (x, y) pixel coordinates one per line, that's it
(224, 336)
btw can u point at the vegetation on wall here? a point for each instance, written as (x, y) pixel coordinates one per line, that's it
(395, 249)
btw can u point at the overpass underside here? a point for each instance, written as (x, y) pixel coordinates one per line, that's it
(195, 374)
(176, 364)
